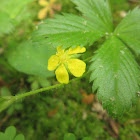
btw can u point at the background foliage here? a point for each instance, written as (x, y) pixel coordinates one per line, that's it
(73, 109)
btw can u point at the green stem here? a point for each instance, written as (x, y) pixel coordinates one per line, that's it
(20, 96)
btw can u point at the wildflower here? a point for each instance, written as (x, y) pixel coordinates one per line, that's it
(64, 60)
(50, 6)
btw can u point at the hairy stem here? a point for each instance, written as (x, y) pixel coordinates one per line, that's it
(20, 96)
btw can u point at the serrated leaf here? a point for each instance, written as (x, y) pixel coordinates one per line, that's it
(98, 11)
(11, 14)
(10, 132)
(129, 30)
(31, 59)
(118, 1)
(115, 75)
(68, 30)
(6, 25)
(13, 7)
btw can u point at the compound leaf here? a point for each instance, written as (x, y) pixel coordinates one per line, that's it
(115, 76)
(98, 11)
(129, 30)
(10, 134)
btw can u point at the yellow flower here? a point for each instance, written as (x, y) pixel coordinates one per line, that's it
(50, 6)
(64, 60)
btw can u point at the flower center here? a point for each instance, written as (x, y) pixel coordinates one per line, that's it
(63, 57)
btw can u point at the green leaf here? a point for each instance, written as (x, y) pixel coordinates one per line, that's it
(129, 30)
(118, 2)
(31, 59)
(3, 136)
(98, 11)
(19, 137)
(5, 102)
(115, 74)
(11, 14)
(10, 132)
(68, 30)
(6, 25)
(44, 82)
(69, 136)
(35, 85)
(13, 7)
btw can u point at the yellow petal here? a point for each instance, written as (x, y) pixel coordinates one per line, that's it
(62, 74)
(42, 13)
(77, 67)
(53, 62)
(43, 3)
(52, 1)
(78, 49)
(59, 50)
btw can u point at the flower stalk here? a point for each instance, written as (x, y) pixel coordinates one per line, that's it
(8, 100)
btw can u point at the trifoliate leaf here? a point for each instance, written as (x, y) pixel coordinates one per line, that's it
(98, 11)
(115, 76)
(68, 30)
(129, 30)
(31, 59)
(6, 25)
(10, 132)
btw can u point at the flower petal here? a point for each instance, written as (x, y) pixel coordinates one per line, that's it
(77, 67)
(42, 13)
(43, 3)
(78, 49)
(52, 1)
(53, 62)
(59, 50)
(62, 74)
